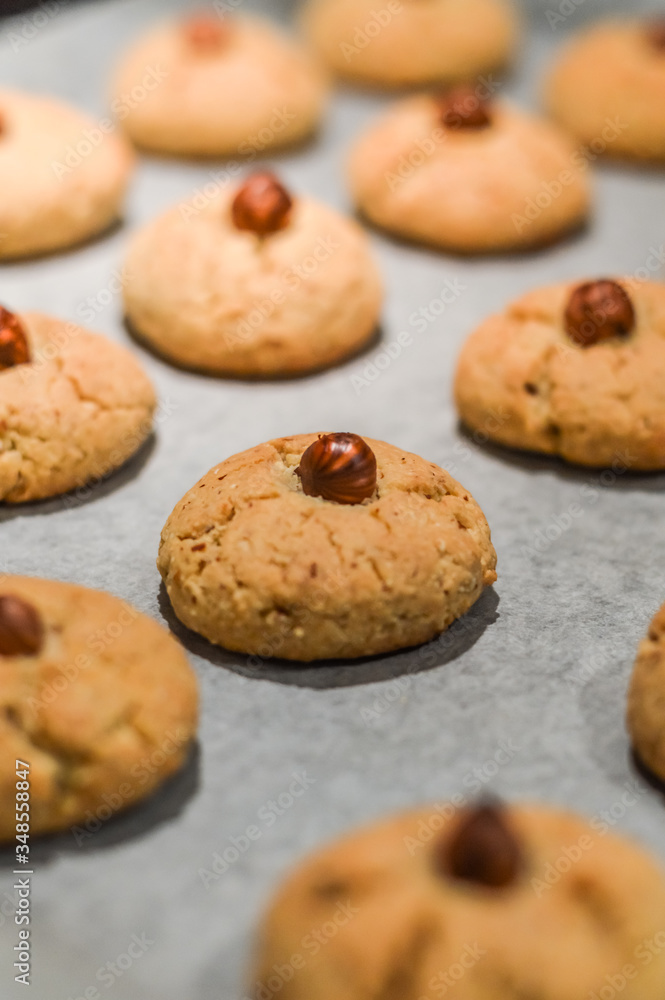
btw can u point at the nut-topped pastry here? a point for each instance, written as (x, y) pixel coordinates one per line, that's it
(97, 702)
(63, 175)
(575, 370)
(646, 700)
(607, 88)
(73, 406)
(257, 282)
(324, 546)
(412, 42)
(481, 902)
(465, 172)
(227, 86)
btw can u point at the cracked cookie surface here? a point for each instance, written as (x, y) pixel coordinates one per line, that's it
(370, 916)
(57, 187)
(260, 91)
(646, 699)
(524, 383)
(253, 564)
(103, 714)
(468, 190)
(76, 412)
(209, 296)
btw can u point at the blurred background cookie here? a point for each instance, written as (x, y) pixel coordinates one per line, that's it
(73, 406)
(483, 901)
(98, 700)
(607, 88)
(62, 178)
(467, 173)
(404, 42)
(226, 86)
(253, 282)
(325, 546)
(646, 700)
(576, 370)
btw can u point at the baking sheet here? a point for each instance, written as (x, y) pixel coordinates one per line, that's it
(525, 696)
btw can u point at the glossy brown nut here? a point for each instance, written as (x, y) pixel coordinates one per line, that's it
(262, 205)
(462, 109)
(340, 468)
(21, 628)
(598, 311)
(655, 33)
(482, 849)
(206, 33)
(14, 348)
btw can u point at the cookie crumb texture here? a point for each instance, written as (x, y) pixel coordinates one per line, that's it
(211, 297)
(260, 91)
(464, 190)
(103, 714)
(607, 87)
(78, 411)
(400, 928)
(255, 565)
(526, 384)
(57, 188)
(405, 42)
(646, 699)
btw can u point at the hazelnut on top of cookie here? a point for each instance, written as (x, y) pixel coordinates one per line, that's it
(14, 349)
(575, 370)
(262, 205)
(530, 900)
(206, 34)
(21, 627)
(322, 546)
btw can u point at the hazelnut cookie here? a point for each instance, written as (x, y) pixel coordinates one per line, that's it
(90, 690)
(411, 42)
(225, 87)
(468, 173)
(62, 178)
(575, 370)
(329, 546)
(607, 88)
(491, 902)
(73, 406)
(254, 282)
(646, 700)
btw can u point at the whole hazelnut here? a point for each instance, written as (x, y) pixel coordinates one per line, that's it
(21, 628)
(262, 205)
(340, 468)
(14, 348)
(461, 108)
(655, 34)
(206, 34)
(482, 849)
(598, 311)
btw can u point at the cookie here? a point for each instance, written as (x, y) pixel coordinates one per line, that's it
(405, 43)
(73, 406)
(316, 547)
(97, 701)
(481, 902)
(63, 176)
(575, 370)
(646, 700)
(606, 88)
(213, 86)
(466, 173)
(253, 283)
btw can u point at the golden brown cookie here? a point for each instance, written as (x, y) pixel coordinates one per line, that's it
(481, 903)
(576, 370)
(98, 701)
(607, 89)
(63, 175)
(214, 86)
(73, 406)
(402, 42)
(646, 700)
(256, 560)
(466, 173)
(255, 282)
